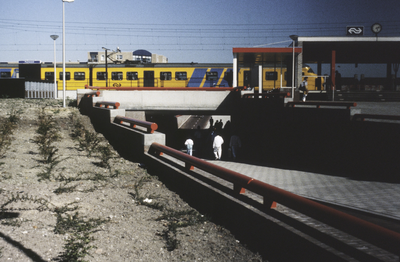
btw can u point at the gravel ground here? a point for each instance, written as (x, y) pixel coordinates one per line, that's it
(77, 210)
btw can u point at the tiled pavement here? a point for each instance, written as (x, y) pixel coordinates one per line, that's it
(375, 197)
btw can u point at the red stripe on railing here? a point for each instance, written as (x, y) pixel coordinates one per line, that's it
(107, 104)
(151, 126)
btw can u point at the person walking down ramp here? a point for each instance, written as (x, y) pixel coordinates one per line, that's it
(235, 144)
(217, 146)
(303, 87)
(189, 146)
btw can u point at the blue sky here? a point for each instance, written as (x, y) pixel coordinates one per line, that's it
(182, 30)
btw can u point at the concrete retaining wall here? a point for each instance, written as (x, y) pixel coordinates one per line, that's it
(130, 143)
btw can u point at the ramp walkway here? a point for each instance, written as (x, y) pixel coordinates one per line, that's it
(369, 196)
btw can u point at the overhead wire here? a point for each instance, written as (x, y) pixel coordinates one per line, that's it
(188, 36)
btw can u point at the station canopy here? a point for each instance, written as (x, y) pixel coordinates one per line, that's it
(319, 49)
(350, 49)
(258, 55)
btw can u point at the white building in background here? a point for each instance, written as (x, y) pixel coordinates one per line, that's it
(140, 56)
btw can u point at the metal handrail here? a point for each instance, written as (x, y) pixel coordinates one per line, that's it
(92, 94)
(164, 88)
(267, 95)
(318, 104)
(151, 127)
(374, 234)
(108, 104)
(362, 117)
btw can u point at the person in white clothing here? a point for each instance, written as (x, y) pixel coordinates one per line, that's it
(217, 146)
(189, 146)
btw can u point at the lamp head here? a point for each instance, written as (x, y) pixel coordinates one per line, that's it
(54, 37)
(69, 1)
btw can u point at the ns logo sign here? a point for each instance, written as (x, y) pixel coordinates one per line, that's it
(355, 30)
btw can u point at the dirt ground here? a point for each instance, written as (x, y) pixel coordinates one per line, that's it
(80, 208)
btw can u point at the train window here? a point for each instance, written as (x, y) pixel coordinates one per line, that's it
(271, 75)
(116, 76)
(132, 76)
(5, 74)
(79, 76)
(165, 76)
(180, 76)
(49, 76)
(101, 75)
(212, 76)
(67, 76)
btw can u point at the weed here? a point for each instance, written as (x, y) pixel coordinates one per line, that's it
(14, 116)
(67, 180)
(178, 219)
(145, 200)
(43, 204)
(91, 142)
(5, 176)
(175, 219)
(77, 124)
(47, 135)
(12, 222)
(7, 127)
(64, 189)
(138, 185)
(106, 154)
(65, 208)
(77, 246)
(48, 171)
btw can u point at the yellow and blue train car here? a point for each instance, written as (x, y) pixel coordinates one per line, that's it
(9, 70)
(165, 75)
(77, 75)
(147, 75)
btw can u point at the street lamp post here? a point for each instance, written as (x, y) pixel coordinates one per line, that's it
(63, 58)
(106, 49)
(54, 37)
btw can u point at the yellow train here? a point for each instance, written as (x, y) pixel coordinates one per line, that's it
(158, 75)
(147, 75)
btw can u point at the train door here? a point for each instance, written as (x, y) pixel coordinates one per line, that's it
(148, 79)
(247, 78)
(90, 75)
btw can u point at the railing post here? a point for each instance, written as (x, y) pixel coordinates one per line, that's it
(239, 189)
(269, 203)
(189, 166)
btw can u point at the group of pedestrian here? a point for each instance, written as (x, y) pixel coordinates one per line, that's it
(216, 139)
(234, 145)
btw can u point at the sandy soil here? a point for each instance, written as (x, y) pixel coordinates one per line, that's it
(85, 212)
